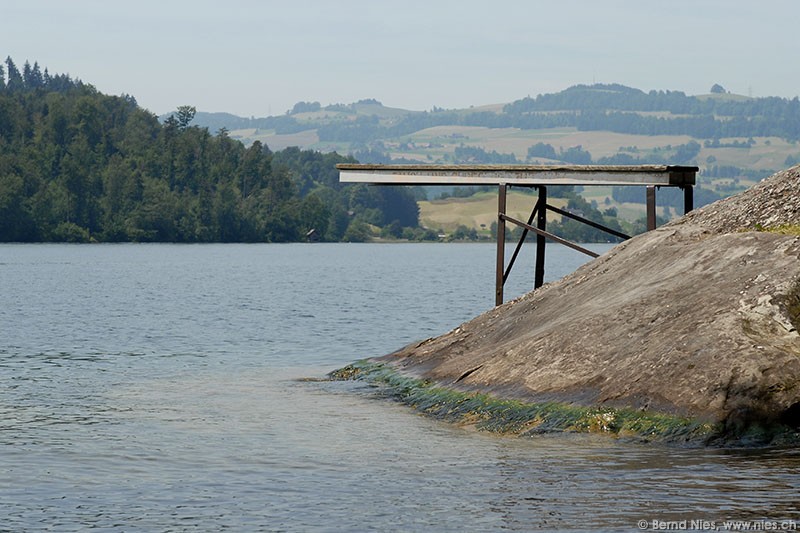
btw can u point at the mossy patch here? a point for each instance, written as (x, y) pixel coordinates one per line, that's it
(787, 229)
(782, 229)
(516, 417)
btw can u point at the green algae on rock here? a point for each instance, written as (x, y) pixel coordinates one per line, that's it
(515, 417)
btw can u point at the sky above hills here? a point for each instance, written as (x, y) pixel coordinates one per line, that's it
(260, 57)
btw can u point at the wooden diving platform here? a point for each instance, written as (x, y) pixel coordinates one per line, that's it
(533, 176)
(521, 175)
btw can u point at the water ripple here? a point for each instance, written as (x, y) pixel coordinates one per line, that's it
(148, 387)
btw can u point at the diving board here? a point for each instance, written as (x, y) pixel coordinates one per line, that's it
(522, 175)
(533, 176)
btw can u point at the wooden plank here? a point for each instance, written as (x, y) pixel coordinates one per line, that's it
(523, 175)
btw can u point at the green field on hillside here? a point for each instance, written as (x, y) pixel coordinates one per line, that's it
(437, 145)
(478, 211)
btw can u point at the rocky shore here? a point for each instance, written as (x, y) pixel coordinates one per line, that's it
(686, 333)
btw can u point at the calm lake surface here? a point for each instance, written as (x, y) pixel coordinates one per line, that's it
(158, 388)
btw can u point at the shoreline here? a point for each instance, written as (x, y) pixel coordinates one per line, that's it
(511, 417)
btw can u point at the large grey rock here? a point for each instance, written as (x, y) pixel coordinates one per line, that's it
(698, 318)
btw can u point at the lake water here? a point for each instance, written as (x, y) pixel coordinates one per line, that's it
(158, 388)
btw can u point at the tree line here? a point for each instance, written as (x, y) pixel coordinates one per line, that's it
(77, 165)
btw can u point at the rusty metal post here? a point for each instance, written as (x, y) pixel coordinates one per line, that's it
(541, 223)
(501, 243)
(651, 207)
(688, 198)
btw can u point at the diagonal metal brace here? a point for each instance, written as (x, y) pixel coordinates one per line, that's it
(519, 244)
(588, 222)
(550, 236)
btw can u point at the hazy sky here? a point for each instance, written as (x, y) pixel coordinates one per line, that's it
(259, 57)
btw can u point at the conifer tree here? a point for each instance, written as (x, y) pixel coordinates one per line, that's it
(26, 75)
(15, 81)
(34, 79)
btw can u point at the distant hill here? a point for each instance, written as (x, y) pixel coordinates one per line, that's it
(609, 123)
(735, 140)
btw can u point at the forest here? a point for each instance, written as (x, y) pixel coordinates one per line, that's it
(80, 166)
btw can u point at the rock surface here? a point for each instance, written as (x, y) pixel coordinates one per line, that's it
(698, 318)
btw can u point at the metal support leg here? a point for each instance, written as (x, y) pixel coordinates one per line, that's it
(651, 207)
(541, 223)
(688, 198)
(501, 243)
